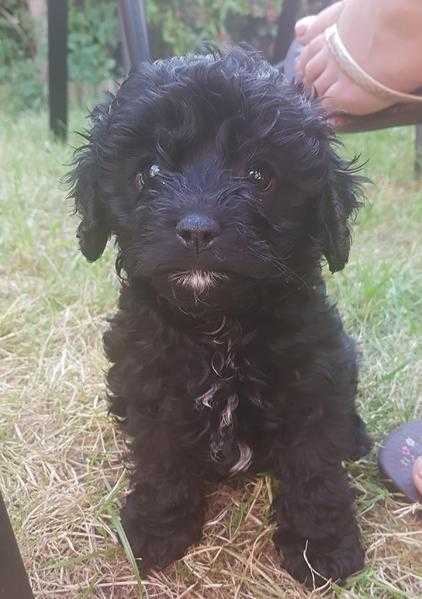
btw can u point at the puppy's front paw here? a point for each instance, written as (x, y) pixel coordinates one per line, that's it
(335, 561)
(156, 551)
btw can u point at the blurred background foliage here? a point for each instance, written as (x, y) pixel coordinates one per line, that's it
(95, 53)
(175, 26)
(21, 83)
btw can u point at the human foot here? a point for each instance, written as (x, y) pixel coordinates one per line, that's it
(386, 45)
(400, 459)
(417, 474)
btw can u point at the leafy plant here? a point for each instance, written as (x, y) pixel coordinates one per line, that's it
(20, 75)
(175, 26)
(93, 41)
(178, 26)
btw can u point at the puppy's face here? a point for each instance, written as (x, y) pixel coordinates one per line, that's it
(214, 175)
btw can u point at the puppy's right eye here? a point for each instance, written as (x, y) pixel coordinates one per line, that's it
(141, 178)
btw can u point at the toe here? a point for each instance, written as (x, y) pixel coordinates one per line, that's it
(417, 474)
(325, 81)
(308, 53)
(333, 100)
(302, 27)
(310, 27)
(346, 96)
(319, 69)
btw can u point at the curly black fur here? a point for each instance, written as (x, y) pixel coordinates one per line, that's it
(226, 354)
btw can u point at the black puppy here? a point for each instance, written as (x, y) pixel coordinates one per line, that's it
(221, 186)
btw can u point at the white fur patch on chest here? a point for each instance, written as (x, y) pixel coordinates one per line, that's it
(206, 398)
(244, 460)
(227, 367)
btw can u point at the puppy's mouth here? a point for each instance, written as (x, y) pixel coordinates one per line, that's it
(199, 281)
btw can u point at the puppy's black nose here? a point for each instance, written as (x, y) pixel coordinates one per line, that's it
(197, 231)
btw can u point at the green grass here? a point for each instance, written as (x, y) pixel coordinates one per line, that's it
(60, 464)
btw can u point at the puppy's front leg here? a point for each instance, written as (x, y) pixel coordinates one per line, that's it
(314, 515)
(163, 513)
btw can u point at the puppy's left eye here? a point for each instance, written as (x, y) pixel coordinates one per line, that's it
(262, 176)
(143, 176)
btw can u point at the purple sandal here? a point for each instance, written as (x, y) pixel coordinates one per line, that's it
(398, 454)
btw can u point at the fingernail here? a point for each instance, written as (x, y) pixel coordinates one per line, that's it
(300, 29)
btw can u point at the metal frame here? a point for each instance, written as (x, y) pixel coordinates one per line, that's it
(57, 11)
(285, 30)
(134, 32)
(135, 50)
(14, 582)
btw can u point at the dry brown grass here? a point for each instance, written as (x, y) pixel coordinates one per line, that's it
(60, 464)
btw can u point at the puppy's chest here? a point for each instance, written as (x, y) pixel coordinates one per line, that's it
(236, 373)
(232, 398)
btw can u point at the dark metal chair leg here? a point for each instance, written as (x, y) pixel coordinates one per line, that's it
(57, 66)
(134, 26)
(14, 582)
(285, 29)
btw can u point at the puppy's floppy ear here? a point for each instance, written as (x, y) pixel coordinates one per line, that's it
(93, 231)
(340, 202)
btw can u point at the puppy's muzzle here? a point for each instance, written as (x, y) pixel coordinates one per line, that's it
(197, 231)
